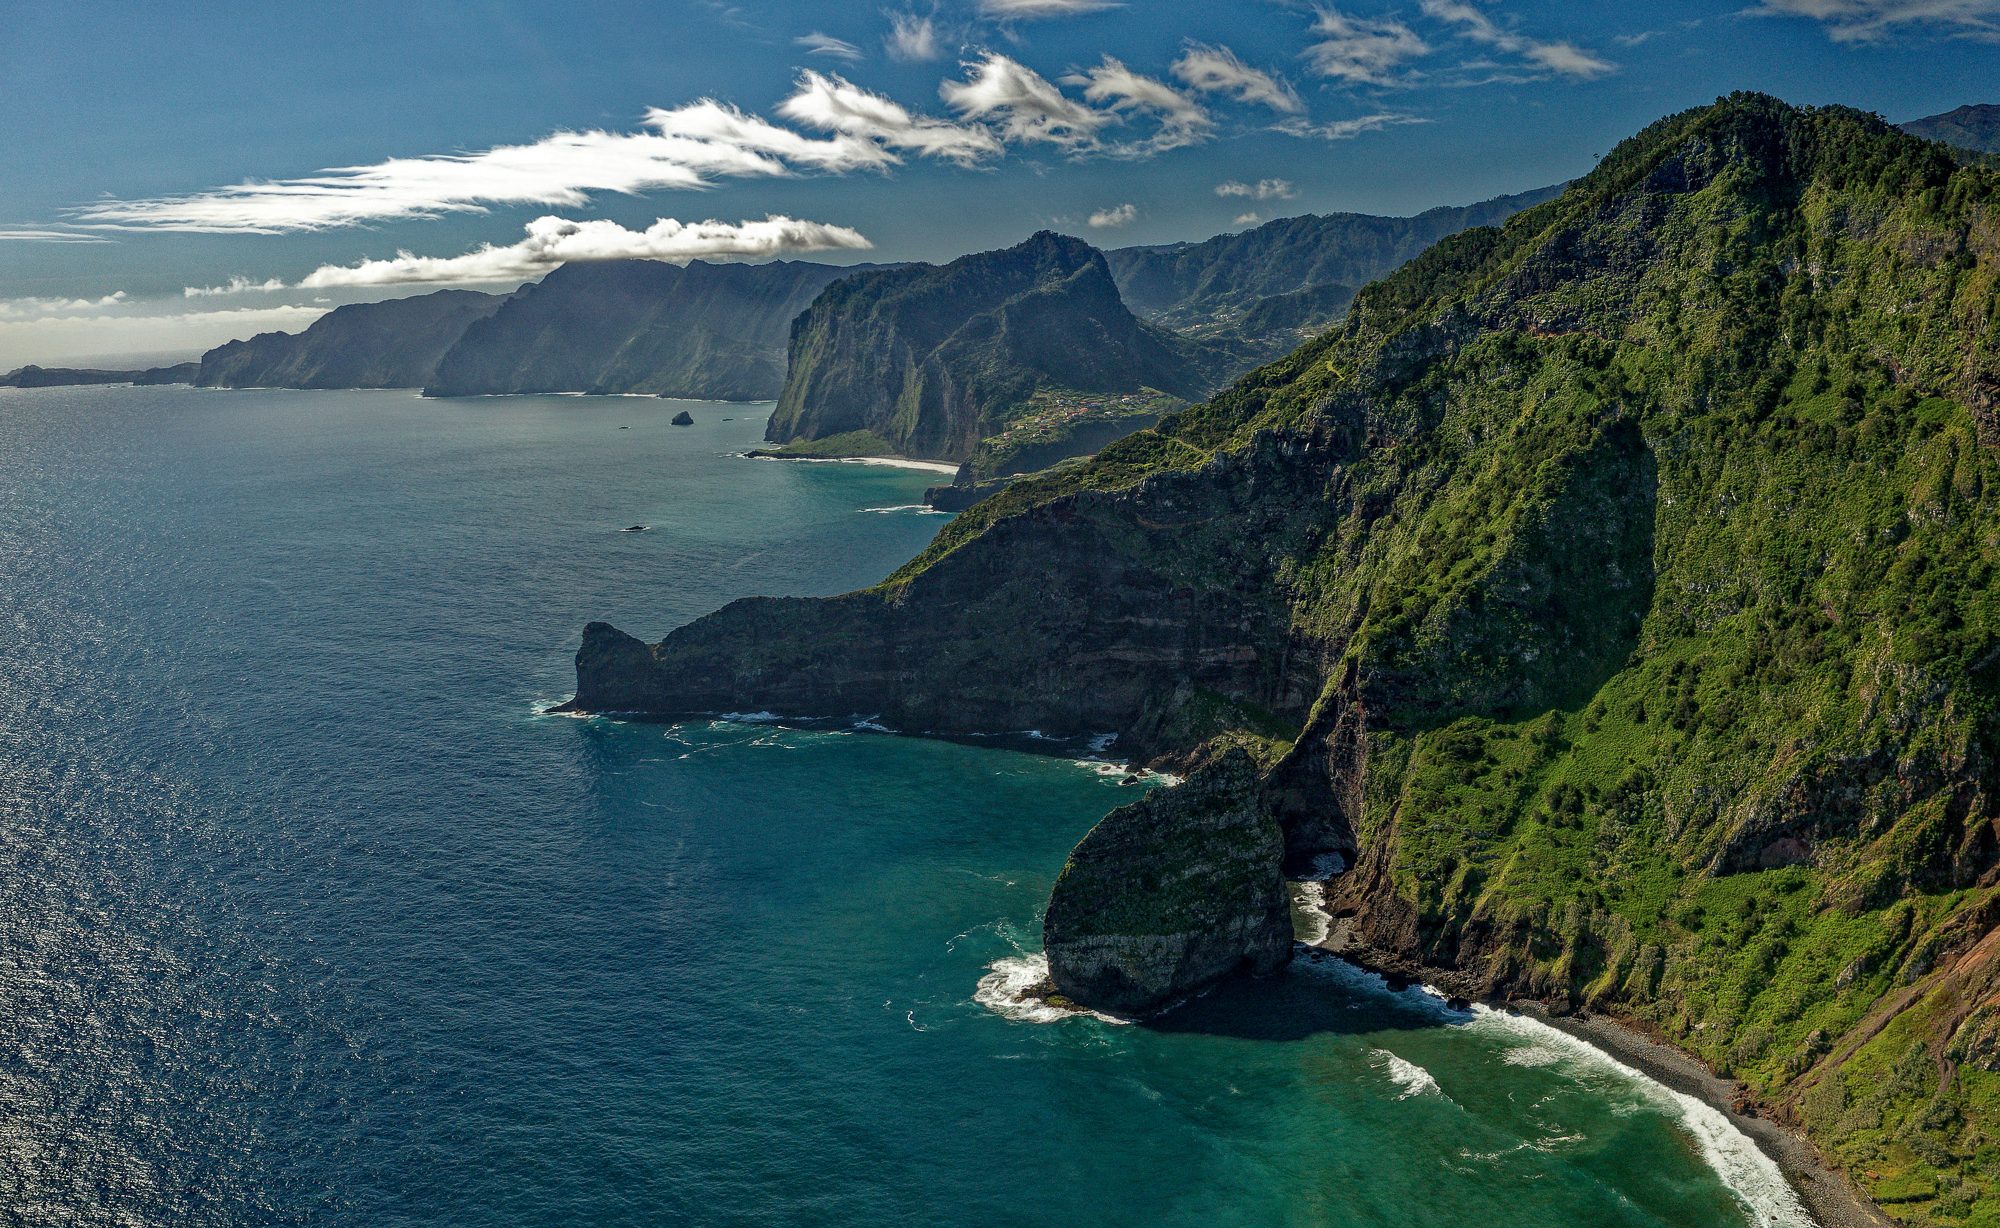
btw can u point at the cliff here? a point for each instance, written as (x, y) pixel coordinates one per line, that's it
(391, 344)
(932, 360)
(1615, 589)
(32, 376)
(704, 331)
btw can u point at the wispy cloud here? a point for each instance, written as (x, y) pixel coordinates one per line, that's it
(1119, 90)
(16, 307)
(1111, 219)
(1245, 219)
(552, 241)
(1263, 189)
(235, 285)
(1868, 21)
(1348, 129)
(1562, 58)
(912, 39)
(687, 147)
(826, 44)
(834, 104)
(1217, 70)
(50, 236)
(1034, 10)
(1362, 51)
(1022, 104)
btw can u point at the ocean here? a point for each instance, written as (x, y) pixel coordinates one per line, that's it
(309, 916)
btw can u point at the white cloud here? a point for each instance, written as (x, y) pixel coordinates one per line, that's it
(833, 104)
(1564, 59)
(50, 236)
(1111, 219)
(826, 44)
(1362, 51)
(1348, 129)
(1245, 219)
(1867, 21)
(1263, 189)
(16, 307)
(235, 285)
(1117, 88)
(1216, 70)
(552, 241)
(1024, 105)
(912, 39)
(1032, 10)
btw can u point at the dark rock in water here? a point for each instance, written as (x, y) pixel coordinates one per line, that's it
(684, 418)
(624, 428)
(637, 528)
(1170, 894)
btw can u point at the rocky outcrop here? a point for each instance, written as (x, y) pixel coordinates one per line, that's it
(935, 359)
(1170, 894)
(391, 344)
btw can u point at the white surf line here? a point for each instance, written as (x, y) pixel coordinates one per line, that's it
(892, 462)
(1753, 1177)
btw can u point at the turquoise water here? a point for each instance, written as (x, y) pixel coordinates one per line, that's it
(307, 917)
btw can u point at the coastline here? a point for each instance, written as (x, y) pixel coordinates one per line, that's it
(1829, 1196)
(893, 462)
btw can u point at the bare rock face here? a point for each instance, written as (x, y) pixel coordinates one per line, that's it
(1170, 894)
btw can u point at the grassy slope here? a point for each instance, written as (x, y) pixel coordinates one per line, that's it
(1743, 792)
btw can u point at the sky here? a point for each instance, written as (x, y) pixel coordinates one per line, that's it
(177, 175)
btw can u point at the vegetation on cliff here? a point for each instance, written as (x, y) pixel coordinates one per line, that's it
(1628, 576)
(935, 359)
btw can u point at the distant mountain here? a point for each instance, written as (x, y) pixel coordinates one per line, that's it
(392, 344)
(1975, 127)
(1224, 280)
(1971, 129)
(58, 377)
(1029, 353)
(715, 331)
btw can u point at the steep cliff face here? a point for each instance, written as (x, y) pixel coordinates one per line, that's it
(931, 360)
(392, 344)
(1170, 894)
(706, 331)
(1623, 584)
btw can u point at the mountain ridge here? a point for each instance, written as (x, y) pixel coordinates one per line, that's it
(1612, 591)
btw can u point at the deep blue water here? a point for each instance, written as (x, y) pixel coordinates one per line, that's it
(307, 917)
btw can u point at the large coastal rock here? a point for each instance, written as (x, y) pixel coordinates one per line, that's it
(931, 360)
(1170, 894)
(1620, 588)
(395, 343)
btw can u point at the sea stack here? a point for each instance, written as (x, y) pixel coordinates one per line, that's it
(1170, 894)
(684, 418)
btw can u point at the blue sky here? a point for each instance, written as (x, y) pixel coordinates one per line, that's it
(154, 149)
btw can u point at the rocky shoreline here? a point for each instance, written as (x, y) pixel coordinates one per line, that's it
(1829, 1195)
